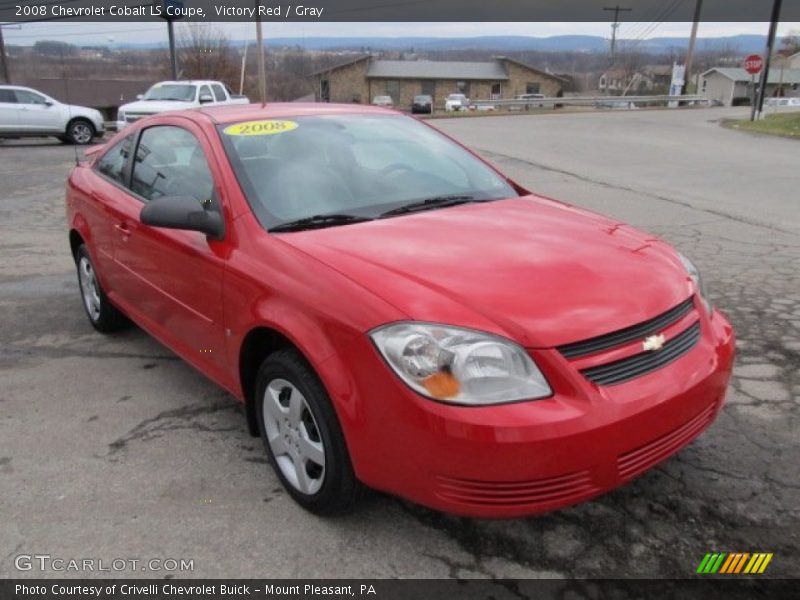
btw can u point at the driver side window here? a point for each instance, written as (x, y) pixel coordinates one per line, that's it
(169, 161)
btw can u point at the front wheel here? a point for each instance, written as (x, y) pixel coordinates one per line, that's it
(302, 436)
(80, 131)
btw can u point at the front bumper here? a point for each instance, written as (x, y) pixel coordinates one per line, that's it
(529, 457)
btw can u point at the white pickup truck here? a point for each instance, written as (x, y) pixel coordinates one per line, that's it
(177, 95)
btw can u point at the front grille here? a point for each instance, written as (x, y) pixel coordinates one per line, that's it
(644, 362)
(517, 493)
(637, 461)
(623, 336)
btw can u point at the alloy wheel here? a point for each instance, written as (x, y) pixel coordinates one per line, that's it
(293, 436)
(82, 133)
(89, 289)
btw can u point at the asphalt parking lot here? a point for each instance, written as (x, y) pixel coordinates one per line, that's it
(111, 447)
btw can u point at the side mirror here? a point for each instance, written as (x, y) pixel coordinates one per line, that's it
(49, 103)
(139, 96)
(182, 212)
(206, 98)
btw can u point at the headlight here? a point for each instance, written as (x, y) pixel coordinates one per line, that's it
(698, 280)
(460, 366)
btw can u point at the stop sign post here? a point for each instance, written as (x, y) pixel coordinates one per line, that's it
(753, 64)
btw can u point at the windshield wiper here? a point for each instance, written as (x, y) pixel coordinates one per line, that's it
(429, 203)
(318, 221)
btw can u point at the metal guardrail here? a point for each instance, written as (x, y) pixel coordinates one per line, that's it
(591, 101)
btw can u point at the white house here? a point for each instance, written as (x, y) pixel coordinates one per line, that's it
(723, 84)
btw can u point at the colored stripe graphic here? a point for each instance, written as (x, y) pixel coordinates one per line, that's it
(701, 568)
(734, 563)
(728, 563)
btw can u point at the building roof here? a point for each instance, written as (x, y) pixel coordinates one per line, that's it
(96, 93)
(790, 76)
(437, 69)
(429, 69)
(339, 65)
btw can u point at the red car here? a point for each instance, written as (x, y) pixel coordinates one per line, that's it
(393, 311)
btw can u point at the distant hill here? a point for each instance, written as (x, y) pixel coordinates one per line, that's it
(745, 43)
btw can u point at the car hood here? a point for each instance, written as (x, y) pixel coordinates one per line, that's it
(154, 106)
(530, 268)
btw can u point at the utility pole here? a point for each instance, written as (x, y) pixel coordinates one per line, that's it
(773, 28)
(173, 57)
(262, 75)
(617, 9)
(687, 71)
(3, 59)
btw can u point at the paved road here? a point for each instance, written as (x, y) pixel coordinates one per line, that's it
(110, 447)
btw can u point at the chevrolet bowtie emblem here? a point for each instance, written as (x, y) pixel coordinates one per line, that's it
(653, 342)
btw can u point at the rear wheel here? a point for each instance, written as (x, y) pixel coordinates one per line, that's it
(302, 435)
(80, 131)
(103, 315)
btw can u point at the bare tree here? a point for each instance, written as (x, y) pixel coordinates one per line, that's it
(205, 52)
(790, 44)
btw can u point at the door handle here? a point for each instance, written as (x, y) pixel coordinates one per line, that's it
(123, 228)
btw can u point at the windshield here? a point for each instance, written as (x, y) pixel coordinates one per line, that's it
(356, 165)
(171, 91)
(456, 97)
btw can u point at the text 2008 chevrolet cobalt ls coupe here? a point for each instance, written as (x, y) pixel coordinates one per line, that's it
(393, 311)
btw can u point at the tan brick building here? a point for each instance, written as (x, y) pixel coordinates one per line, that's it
(361, 79)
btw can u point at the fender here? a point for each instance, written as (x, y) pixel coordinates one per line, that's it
(318, 347)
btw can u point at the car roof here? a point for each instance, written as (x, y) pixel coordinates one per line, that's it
(188, 81)
(244, 112)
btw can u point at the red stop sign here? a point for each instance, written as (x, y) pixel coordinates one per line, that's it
(753, 64)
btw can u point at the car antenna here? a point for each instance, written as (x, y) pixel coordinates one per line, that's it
(69, 105)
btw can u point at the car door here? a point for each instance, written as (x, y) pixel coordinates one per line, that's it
(204, 92)
(37, 113)
(9, 111)
(173, 277)
(219, 93)
(103, 193)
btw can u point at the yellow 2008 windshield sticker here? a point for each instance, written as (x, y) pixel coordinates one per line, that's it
(269, 127)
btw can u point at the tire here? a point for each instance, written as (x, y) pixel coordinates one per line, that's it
(80, 132)
(302, 433)
(103, 315)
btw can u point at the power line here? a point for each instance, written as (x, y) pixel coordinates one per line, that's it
(617, 9)
(665, 14)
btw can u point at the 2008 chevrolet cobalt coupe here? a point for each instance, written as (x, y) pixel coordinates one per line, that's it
(393, 311)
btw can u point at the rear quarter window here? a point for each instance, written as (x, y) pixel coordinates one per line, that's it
(112, 163)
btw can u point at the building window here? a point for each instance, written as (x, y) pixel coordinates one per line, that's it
(393, 90)
(497, 91)
(428, 87)
(703, 88)
(463, 87)
(532, 87)
(324, 90)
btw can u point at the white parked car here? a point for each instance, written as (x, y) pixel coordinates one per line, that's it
(177, 95)
(25, 112)
(383, 101)
(456, 102)
(782, 101)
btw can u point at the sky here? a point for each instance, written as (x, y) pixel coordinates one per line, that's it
(121, 33)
